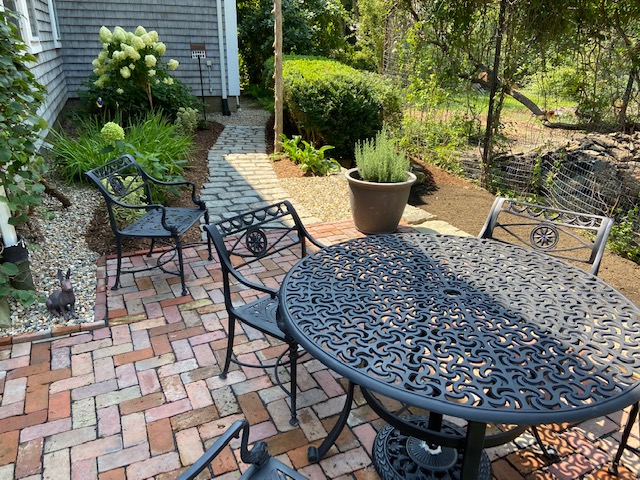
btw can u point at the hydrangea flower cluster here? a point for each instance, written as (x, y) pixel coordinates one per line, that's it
(111, 132)
(132, 57)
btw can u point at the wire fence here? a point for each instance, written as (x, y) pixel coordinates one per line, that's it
(571, 170)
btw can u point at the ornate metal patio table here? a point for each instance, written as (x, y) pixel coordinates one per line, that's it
(475, 329)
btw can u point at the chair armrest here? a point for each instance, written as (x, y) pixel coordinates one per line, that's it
(214, 450)
(256, 286)
(314, 241)
(194, 199)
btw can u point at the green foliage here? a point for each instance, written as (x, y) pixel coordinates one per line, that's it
(20, 97)
(314, 27)
(332, 103)
(186, 121)
(153, 141)
(130, 79)
(378, 160)
(622, 239)
(309, 158)
(369, 34)
(20, 165)
(137, 197)
(438, 141)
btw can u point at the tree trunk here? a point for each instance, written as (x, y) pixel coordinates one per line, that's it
(55, 193)
(488, 136)
(622, 114)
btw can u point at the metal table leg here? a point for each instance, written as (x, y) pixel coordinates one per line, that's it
(316, 453)
(473, 451)
(397, 455)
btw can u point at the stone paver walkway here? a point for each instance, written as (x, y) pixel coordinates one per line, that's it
(241, 177)
(141, 397)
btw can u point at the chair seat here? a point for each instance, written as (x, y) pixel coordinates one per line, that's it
(150, 224)
(261, 315)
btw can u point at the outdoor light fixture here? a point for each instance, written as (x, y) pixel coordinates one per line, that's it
(199, 51)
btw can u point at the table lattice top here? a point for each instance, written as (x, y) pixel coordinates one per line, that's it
(472, 328)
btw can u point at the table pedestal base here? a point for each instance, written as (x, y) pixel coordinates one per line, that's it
(398, 456)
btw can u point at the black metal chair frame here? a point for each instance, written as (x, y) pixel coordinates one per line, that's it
(263, 465)
(122, 178)
(547, 227)
(241, 241)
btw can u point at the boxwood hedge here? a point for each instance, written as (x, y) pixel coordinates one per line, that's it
(332, 103)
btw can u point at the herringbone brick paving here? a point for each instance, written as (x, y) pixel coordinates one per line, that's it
(141, 398)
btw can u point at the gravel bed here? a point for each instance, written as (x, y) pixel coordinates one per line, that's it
(63, 248)
(250, 114)
(63, 245)
(324, 197)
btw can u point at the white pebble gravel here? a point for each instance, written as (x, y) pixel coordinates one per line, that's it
(63, 247)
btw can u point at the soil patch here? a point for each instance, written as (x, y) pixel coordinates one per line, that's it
(99, 236)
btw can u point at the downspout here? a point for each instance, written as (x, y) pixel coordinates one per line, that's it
(223, 66)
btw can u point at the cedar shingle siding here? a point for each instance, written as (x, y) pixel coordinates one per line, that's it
(49, 70)
(177, 22)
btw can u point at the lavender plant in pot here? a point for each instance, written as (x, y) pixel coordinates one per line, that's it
(379, 185)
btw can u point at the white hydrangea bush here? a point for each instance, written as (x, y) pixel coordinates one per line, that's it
(132, 59)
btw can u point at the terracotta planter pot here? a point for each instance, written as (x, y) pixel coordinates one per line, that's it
(377, 207)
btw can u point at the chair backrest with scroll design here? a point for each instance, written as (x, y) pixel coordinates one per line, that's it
(255, 235)
(573, 236)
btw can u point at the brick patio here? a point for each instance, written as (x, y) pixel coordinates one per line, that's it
(141, 398)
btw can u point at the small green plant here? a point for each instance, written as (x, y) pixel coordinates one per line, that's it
(378, 160)
(622, 239)
(309, 157)
(186, 120)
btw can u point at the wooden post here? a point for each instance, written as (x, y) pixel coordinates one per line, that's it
(277, 76)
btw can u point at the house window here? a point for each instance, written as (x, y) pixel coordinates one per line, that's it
(55, 27)
(33, 22)
(27, 21)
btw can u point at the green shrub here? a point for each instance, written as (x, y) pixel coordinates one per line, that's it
(126, 216)
(309, 157)
(128, 102)
(186, 120)
(313, 27)
(154, 142)
(331, 103)
(21, 167)
(378, 160)
(622, 239)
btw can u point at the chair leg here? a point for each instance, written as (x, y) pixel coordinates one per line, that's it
(633, 414)
(181, 265)
(293, 367)
(230, 337)
(153, 243)
(206, 222)
(119, 263)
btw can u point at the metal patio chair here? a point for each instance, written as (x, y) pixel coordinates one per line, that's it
(241, 241)
(127, 191)
(263, 465)
(573, 236)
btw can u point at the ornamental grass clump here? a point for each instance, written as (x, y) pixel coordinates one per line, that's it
(378, 160)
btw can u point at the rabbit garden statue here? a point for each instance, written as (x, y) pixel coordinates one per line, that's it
(62, 302)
